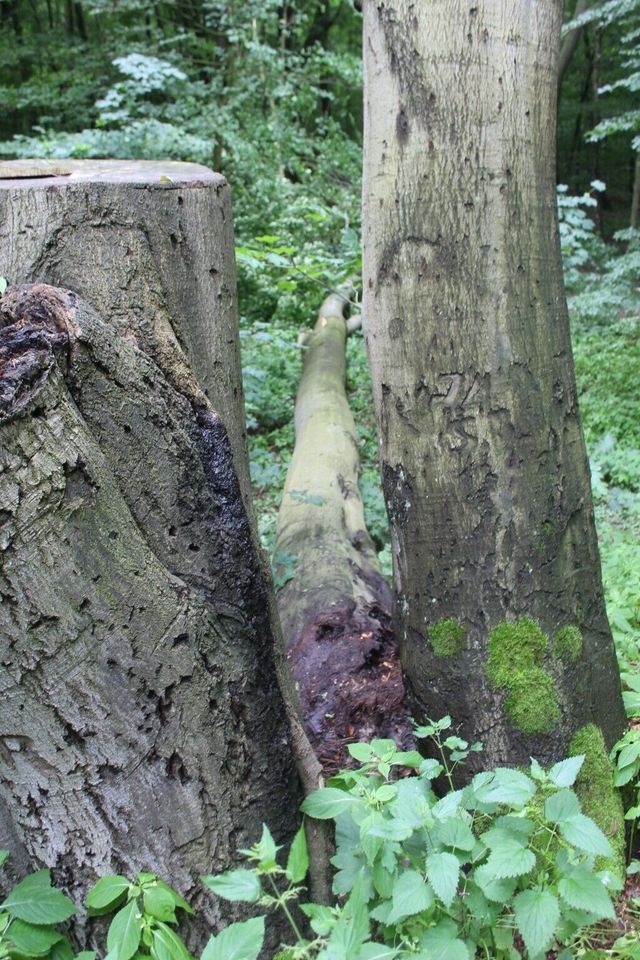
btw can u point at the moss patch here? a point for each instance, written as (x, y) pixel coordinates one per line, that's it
(532, 705)
(568, 644)
(516, 652)
(599, 798)
(447, 638)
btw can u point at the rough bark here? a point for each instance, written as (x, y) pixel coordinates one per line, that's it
(482, 453)
(335, 605)
(141, 723)
(150, 246)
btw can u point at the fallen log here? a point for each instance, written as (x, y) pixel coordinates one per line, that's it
(334, 602)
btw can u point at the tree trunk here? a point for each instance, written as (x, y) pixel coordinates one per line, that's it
(483, 457)
(141, 724)
(334, 603)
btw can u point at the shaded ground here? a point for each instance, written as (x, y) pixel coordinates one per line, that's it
(348, 673)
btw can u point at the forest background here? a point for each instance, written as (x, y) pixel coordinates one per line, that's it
(270, 94)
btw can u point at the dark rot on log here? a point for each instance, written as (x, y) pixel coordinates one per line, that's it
(335, 606)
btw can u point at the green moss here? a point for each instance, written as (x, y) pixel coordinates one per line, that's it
(447, 638)
(532, 704)
(516, 652)
(599, 798)
(568, 643)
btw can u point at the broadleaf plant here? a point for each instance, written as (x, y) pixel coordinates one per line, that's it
(504, 868)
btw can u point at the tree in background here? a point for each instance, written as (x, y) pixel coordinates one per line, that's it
(499, 605)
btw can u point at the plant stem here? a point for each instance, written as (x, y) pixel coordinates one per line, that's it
(287, 912)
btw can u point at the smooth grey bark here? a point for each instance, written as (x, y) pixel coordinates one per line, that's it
(141, 722)
(321, 521)
(483, 458)
(335, 607)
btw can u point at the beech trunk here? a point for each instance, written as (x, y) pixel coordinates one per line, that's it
(482, 453)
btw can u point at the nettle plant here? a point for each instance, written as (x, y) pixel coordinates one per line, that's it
(504, 868)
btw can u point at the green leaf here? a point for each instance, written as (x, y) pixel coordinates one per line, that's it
(361, 752)
(430, 769)
(4, 856)
(510, 859)
(177, 899)
(507, 786)
(298, 859)
(322, 918)
(583, 833)
(629, 754)
(327, 803)
(561, 806)
(536, 913)
(159, 903)
(536, 770)
(237, 884)
(448, 805)
(30, 940)
(377, 951)
(441, 943)
(455, 833)
(36, 901)
(390, 829)
(62, 951)
(352, 927)
(411, 804)
(125, 931)
(582, 890)
(266, 850)
(145, 878)
(107, 893)
(505, 835)
(564, 774)
(86, 955)
(383, 880)
(167, 945)
(411, 895)
(443, 870)
(385, 793)
(409, 758)
(240, 941)
(3, 285)
(493, 888)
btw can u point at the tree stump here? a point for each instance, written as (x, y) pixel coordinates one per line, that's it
(141, 723)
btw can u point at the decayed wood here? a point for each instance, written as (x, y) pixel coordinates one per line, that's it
(141, 722)
(483, 458)
(335, 606)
